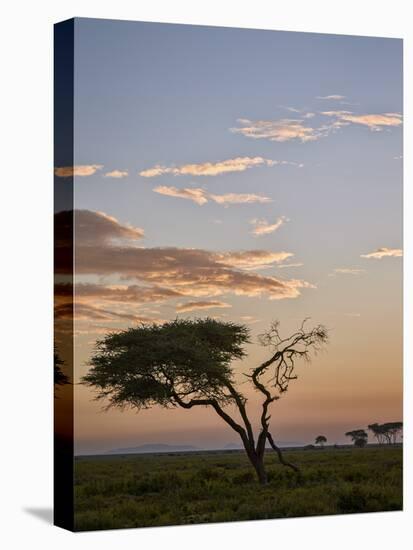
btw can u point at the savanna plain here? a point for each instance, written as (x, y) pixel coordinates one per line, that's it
(126, 491)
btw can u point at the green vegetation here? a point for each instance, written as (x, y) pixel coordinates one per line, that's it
(167, 489)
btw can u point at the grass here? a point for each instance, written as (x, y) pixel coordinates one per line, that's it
(168, 489)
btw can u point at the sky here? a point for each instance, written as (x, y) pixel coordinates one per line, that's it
(246, 175)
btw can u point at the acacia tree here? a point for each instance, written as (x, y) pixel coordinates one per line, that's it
(188, 363)
(320, 440)
(359, 437)
(386, 433)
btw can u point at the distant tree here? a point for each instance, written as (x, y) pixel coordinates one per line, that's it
(320, 440)
(377, 430)
(188, 363)
(391, 431)
(387, 432)
(359, 437)
(60, 379)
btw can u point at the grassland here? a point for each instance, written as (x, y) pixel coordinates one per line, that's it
(168, 489)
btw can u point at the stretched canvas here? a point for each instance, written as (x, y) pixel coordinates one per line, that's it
(228, 274)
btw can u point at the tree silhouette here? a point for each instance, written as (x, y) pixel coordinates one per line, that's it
(60, 378)
(188, 363)
(359, 437)
(386, 433)
(320, 440)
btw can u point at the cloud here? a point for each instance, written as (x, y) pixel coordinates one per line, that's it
(190, 306)
(107, 248)
(290, 265)
(83, 312)
(195, 194)
(238, 164)
(332, 96)
(349, 270)
(297, 129)
(201, 196)
(384, 253)
(263, 227)
(136, 294)
(117, 174)
(276, 130)
(79, 170)
(373, 121)
(239, 198)
(97, 227)
(191, 272)
(252, 259)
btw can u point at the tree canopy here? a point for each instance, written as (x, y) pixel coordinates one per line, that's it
(387, 432)
(359, 437)
(167, 364)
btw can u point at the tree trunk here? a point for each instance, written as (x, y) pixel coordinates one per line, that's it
(257, 462)
(261, 471)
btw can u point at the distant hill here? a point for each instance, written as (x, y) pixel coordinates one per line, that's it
(153, 448)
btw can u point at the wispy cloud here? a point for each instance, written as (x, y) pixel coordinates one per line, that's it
(348, 271)
(252, 259)
(194, 194)
(384, 253)
(285, 129)
(332, 96)
(375, 122)
(201, 196)
(239, 198)
(238, 164)
(282, 266)
(117, 174)
(79, 170)
(191, 306)
(263, 227)
(85, 312)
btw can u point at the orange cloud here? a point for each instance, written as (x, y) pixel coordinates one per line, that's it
(238, 164)
(105, 247)
(239, 198)
(190, 306)
(117, 174)
(277, 130)
(97, 227)
(373, 121)
(79, 170)
(195, 194)
(201, 196)
(384, 253)
(349, 270)
(287, 129)
(252, 259)
(84, 312)
(263, 227)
